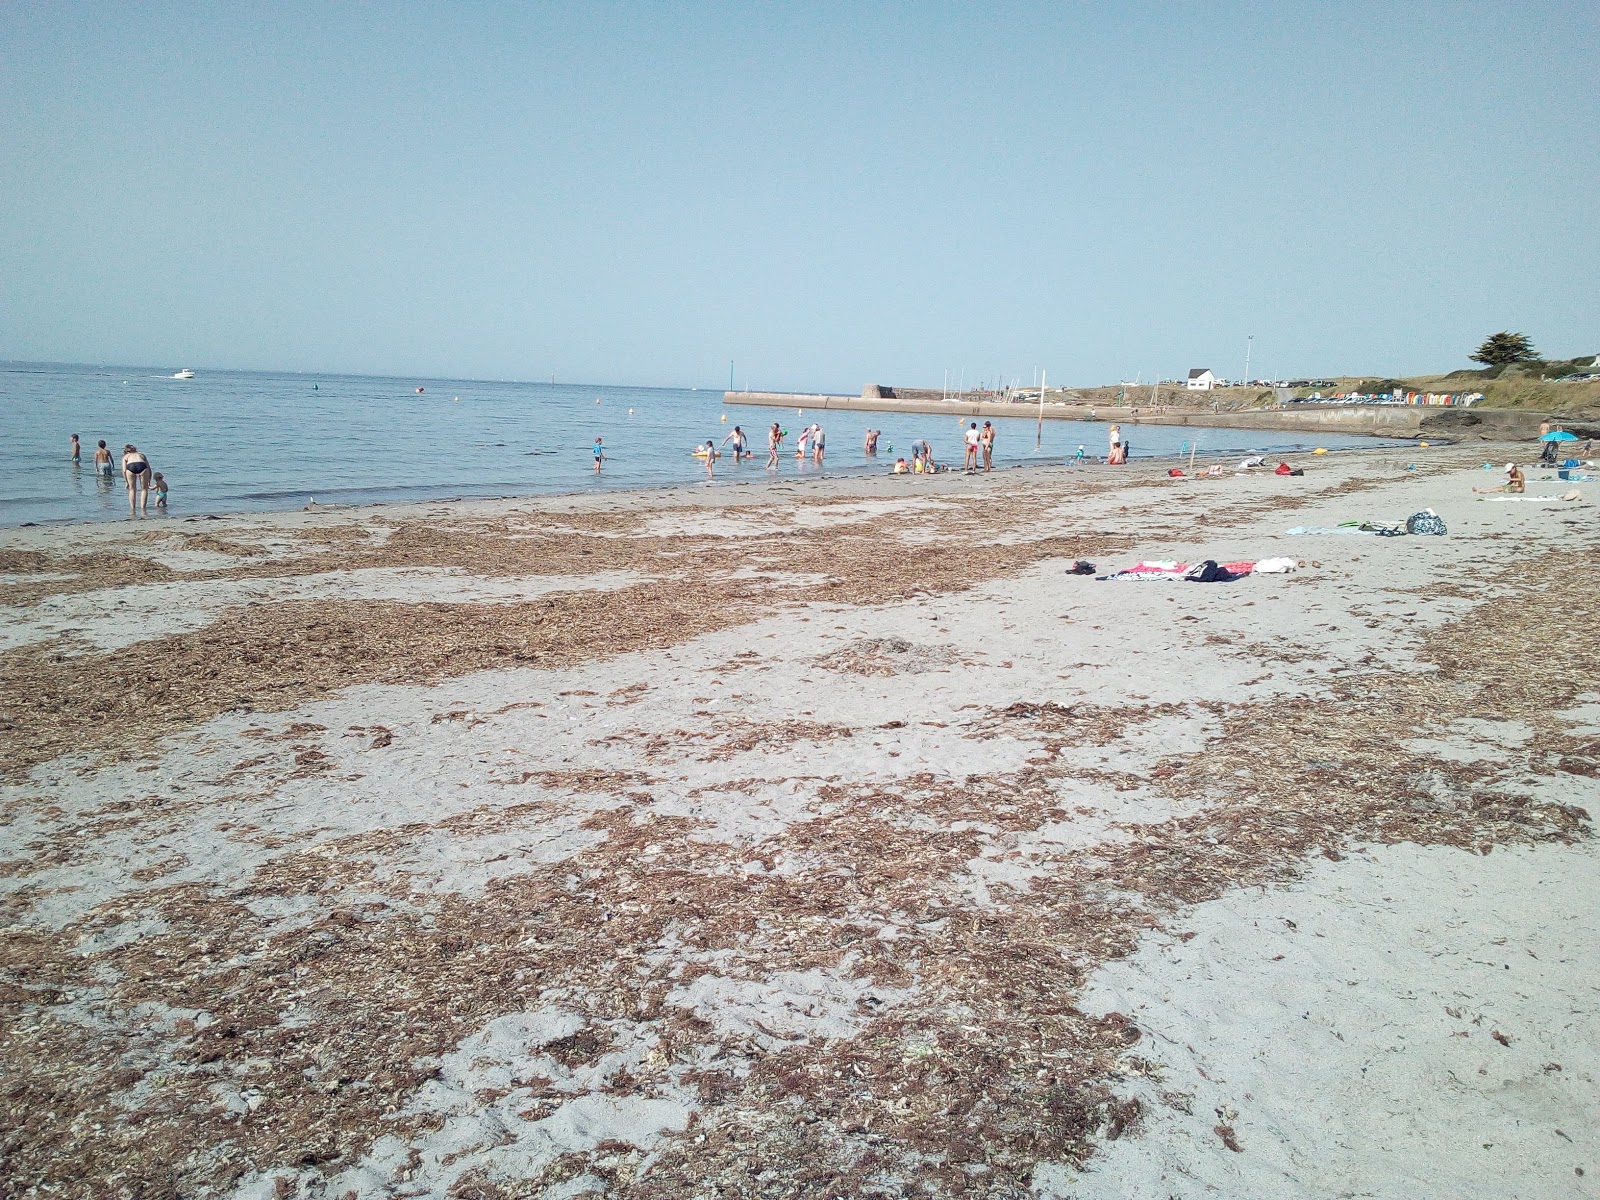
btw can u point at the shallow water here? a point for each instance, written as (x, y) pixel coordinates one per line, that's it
(237, 441)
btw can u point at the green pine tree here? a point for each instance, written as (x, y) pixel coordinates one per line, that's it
(1503, 348)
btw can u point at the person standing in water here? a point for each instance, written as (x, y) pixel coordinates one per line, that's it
(737, 438)
(819, 443)
(76, 449)
(986, 441)
(102, 459)
(711, 457)
(599, 454)
(803, 444)
(136, 471)
(972, 435)
(774, 440)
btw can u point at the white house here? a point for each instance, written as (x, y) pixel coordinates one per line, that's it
(1201, 379)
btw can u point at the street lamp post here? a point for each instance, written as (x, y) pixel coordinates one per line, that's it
(1249, 343)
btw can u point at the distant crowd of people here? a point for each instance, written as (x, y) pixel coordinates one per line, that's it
(812, 444)
(137, 473)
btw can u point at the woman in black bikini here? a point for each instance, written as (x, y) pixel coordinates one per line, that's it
(136, 470)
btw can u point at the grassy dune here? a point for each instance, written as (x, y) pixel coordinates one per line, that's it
(1514, 389)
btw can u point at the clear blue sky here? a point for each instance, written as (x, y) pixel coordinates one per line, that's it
(827, 194)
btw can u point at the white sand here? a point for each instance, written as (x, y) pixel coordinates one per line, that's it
(1342, 1066)
(1344, 1028)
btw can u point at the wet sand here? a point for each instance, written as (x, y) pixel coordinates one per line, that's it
(815, 840)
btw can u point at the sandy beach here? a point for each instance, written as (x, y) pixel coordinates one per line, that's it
(825, 838)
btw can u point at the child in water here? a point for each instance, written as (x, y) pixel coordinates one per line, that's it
(158, 484)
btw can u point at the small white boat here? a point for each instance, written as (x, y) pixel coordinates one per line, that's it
(186, 373)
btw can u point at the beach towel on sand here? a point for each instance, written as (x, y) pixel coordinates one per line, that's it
(1167, 569)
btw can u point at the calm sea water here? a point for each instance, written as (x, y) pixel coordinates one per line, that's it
(232, 441)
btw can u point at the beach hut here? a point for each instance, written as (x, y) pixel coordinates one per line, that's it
(1201, 379)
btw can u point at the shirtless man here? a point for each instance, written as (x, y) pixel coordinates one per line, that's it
(972, 437)
(136, 471)
(737, 438)
(986, 441)
(774, 440)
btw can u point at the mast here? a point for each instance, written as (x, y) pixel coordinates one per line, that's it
(1038, 434)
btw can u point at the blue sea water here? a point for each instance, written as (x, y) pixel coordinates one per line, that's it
(237, 441)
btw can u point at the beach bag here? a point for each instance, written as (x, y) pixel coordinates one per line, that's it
(1207, 572)
(1080, 567)
(1425, 522)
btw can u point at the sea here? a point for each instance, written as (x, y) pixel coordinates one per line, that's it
(259, 441)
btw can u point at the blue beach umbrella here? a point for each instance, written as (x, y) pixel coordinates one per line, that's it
(1558, 435)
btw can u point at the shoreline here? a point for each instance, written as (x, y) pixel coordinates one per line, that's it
(879, 468)
(722, 839)
(1376, 420)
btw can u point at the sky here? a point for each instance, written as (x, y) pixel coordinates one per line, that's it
(823, 195)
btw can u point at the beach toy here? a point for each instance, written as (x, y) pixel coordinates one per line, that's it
(724, 415)
(1319, 450)
(1424, 445)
